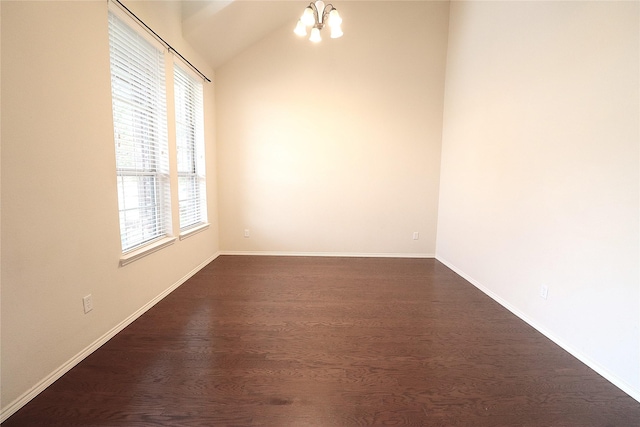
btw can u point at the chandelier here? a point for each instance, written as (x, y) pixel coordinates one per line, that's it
(317, 15)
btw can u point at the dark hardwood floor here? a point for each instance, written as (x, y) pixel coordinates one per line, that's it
(287, 341)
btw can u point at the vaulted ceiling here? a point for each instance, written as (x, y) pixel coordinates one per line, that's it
(219, 29)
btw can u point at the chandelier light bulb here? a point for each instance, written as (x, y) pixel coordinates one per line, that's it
(315, 35)
(336, 32)
(334, 18)
(308, 17)
(301, 29)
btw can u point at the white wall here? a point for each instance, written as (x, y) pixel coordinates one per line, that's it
(60, 234)
(335, 147)
(540, 169)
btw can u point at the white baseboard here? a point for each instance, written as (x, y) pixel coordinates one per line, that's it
(605, 373)
(330, 254)
(18, 403)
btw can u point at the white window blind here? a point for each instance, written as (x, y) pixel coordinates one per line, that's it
(140, 129)
(190, 148)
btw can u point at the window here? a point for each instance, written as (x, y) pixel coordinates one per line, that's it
(190, 149)
(138, 87)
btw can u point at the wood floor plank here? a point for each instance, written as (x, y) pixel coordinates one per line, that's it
(297, 341)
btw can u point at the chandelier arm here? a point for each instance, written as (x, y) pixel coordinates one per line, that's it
(313, 7)
(327, 10)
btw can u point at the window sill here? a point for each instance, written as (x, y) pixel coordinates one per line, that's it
(194, 230)
(132, 256)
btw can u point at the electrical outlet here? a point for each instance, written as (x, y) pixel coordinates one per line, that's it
(246, 232)
(544, 291)
(87, 303)
(416, 235)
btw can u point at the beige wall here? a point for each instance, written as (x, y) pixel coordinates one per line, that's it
(335, 147)
(60, 235)
(540, 170)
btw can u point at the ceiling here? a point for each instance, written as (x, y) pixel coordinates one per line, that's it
(220, 29)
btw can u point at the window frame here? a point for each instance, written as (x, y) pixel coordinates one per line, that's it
(194, 149)
(144, 117)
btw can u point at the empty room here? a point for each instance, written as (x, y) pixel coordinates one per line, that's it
(283, 213)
